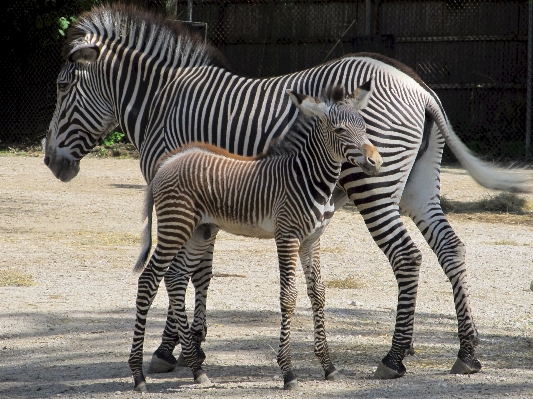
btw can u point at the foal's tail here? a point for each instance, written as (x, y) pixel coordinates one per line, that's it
(482, 172)
(147, 232)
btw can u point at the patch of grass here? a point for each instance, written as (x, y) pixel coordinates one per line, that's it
(349, 282)
(116, 150)
(501, 203)
(509, 242)
(14, 278)
(31, 150)
(229, 275)
(104, 238)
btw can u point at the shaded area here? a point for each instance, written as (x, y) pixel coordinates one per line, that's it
(358, 339)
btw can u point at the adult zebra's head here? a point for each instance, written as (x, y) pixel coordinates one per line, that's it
(343, 126)
(82, 115)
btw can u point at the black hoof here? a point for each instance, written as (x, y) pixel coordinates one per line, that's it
(181, 361)
(332, 374)
(290, 383)
(140, 384)
(466, 366)
(162, 362)
(200, 377)
(388, 369)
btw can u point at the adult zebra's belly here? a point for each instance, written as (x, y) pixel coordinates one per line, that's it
(260, 229)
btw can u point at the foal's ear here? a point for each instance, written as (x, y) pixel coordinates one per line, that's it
(309, 106)
(359, 97)
(84, 53)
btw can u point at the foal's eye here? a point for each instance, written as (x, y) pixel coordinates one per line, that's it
(338, 130)
(62, 86)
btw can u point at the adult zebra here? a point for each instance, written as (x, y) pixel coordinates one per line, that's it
(128, 67)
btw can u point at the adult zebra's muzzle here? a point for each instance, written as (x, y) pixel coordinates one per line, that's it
(63, 169)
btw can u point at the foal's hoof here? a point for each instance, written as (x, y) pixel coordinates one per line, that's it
(200, 377)
(161, 363)
(140, 384)
(332, 374)
(181, 359)
(290, 383)
(386, 373)
(461, 367)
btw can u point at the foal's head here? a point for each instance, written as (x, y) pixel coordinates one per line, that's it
(343, 127)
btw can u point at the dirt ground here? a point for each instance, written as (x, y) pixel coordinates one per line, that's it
(66, 331)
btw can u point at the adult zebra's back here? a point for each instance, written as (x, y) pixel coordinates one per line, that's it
(128, 67)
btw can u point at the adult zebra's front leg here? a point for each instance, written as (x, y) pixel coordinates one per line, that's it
(198, 254)
(316, 291)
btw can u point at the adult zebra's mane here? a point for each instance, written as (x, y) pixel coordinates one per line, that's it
(145, 31)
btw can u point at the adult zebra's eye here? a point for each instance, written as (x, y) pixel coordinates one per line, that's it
(338, 130)
(62, 86)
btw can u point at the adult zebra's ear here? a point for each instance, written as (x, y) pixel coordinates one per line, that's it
(308, 105)
(84, 53)
(359, 97)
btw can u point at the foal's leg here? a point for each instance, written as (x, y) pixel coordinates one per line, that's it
(176, 280)
(310, 258)
(197, 253)
(173, 231)
(421, 201)
(288, 248)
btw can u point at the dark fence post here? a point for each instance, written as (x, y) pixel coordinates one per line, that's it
(529, 79)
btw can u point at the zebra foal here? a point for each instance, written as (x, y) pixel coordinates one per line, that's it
(285, 194)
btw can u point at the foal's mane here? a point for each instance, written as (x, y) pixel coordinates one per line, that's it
(304, 125)
(141, 28)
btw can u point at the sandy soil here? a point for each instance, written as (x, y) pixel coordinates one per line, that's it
(68, 334)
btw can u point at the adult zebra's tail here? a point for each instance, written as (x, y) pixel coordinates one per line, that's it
(147, 232)
(482, 172)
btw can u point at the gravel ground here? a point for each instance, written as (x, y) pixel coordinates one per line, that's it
(68, 334)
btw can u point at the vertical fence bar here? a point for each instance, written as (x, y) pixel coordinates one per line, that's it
(189, 10)
(368, 15)
(529, 94)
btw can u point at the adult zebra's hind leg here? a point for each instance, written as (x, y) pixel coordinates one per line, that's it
(421, 201)
(198, 254)
(310, 259)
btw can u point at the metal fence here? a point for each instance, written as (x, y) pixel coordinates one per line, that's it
(472, 53)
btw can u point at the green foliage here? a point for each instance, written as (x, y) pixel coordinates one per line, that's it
(64, 23)
(113, 138)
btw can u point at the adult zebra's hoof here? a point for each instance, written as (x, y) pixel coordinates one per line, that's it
(162, 363)
(200, 377)
(181, 361)
(332, 374)
(290, 383)
(386, 373)
(140, 384)
(461, 367)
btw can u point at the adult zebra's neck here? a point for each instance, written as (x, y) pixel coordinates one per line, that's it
(138, 54)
